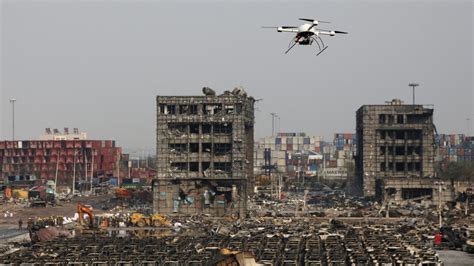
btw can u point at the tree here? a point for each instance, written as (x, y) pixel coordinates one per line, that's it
(457, 171)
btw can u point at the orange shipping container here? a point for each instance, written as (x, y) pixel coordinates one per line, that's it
(123, 193)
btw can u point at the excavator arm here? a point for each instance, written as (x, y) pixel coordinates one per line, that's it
(81, 209)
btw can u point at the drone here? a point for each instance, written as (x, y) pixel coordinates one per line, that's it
(308, 33)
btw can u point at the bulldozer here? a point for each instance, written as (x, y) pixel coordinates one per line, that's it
(141, 220)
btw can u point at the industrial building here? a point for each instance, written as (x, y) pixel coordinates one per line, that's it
(204, 148)
(61, 159)
(395, 151)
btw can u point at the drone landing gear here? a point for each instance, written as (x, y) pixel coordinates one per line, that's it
(290, 46)
(318, 39)
(322, 50)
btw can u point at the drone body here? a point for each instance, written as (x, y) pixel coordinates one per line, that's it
(308, 33)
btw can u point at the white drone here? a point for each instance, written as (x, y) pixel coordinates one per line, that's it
(307, 33)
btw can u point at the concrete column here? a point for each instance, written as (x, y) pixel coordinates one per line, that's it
(398, 194)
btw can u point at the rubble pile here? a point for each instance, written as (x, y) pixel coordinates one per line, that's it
(198, 241)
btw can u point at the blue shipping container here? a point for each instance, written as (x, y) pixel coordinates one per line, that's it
(467, 152)
(278, 141)
(306, 141)
(113, 181)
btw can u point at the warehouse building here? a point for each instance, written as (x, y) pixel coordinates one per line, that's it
(204, 147)
(396, 151)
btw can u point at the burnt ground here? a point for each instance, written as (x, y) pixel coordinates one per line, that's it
(63, 208)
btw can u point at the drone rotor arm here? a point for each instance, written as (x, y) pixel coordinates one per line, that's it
(331, 32)
(287, 29)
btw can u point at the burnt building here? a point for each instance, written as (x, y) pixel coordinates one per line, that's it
(204, 147)
(396, 150)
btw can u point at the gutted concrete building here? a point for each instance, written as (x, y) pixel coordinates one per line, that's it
(204, 147)
(396, 150)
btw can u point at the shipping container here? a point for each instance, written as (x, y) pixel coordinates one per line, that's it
(340, 162)
(289, 147)
(452, 151)
(113, 181)
(277, 141)
(348, 135)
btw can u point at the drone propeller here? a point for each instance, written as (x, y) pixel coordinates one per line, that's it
(283, 27)
(313, 20)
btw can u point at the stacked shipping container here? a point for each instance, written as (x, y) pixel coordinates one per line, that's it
(455, 147)
(41, 158)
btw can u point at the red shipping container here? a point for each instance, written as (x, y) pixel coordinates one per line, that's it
(289, 147)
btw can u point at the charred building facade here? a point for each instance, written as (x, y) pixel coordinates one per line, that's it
(396, 150)
(204, 147)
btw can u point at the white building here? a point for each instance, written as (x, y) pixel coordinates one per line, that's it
(56, 135)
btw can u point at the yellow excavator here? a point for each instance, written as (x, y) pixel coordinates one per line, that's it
(141, 220)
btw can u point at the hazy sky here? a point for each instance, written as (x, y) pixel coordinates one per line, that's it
(98, 65)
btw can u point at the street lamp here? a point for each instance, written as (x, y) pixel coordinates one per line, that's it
(413, 85)
(440, 190)
(274, 115)
(468, 122)
(12, 101)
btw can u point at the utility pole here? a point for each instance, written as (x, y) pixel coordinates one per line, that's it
(468, 122)
(413, 85)
(56, 175)
(118, 170)
(278, 124)
(12, 101)
(273, 123)
(440, 190)
(85, 167)
(92, 168)
(74, 173)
